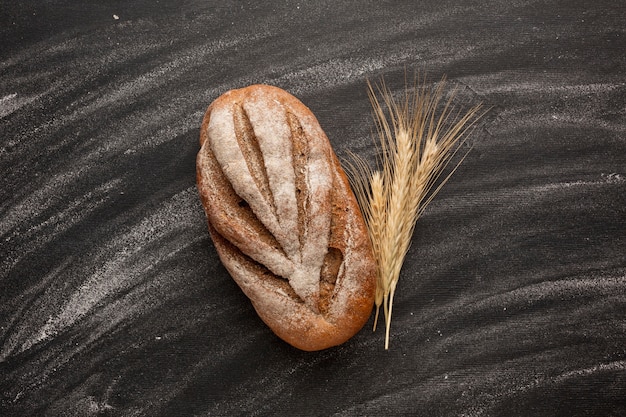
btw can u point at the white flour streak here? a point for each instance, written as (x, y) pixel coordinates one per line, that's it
(164, 73)
(76, 210)
(41, 233)
(603, 367)
(493, 194)
(21, 335)
(605, 179)
(13, 102)
(129, 259)
(45, 196)
(559, 85)
(8, 104)
(337, 72)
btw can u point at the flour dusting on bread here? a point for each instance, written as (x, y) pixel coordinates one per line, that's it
(283, 217)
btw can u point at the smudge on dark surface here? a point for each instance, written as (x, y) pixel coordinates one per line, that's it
(112, 299)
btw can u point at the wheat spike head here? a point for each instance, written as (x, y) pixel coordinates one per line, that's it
(418, 134)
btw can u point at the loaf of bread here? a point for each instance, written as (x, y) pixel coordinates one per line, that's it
(283, 218)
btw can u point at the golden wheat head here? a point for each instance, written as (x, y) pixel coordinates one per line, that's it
(417, 134)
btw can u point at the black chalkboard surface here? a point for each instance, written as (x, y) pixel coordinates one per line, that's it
(512, 299)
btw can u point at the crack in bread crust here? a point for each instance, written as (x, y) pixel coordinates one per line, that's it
(299, 157)
(254, 270)
(233, 218)
(252, 154)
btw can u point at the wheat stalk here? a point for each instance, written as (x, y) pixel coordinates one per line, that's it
(416, 141)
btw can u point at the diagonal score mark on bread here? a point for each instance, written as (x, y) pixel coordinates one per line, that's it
(299, 151)
(235, 221)
(285, 178)
(249, 146)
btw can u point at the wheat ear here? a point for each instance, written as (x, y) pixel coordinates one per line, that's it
(416, 140)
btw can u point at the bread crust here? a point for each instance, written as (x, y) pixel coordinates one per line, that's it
(283, 218)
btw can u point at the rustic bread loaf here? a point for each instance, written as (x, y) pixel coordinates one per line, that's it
(283, 218)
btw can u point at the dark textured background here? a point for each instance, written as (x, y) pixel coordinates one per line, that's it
(512, 301)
